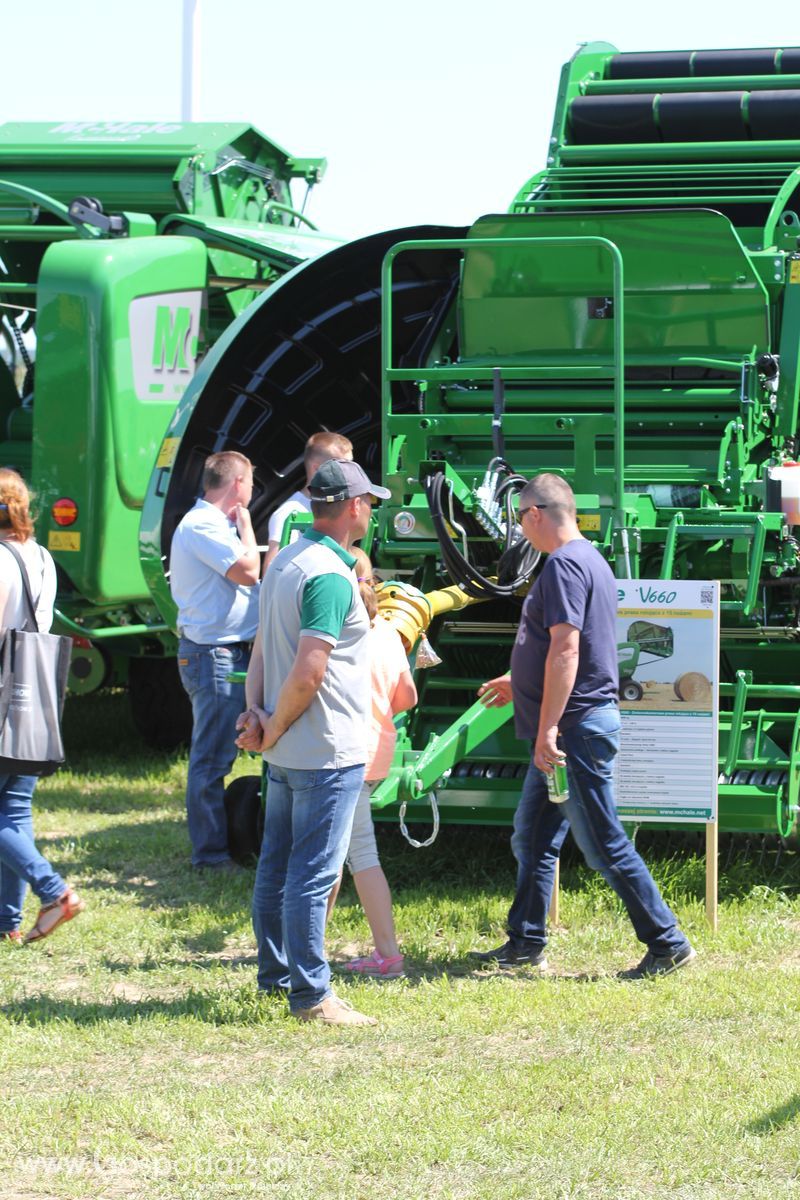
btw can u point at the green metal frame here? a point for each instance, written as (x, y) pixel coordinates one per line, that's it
(434, 375)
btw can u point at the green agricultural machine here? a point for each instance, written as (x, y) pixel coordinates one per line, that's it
(633, 323)
(126, 252)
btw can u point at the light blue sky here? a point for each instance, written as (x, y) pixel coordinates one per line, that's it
(427, 110)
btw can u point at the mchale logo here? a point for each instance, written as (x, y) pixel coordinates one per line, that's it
(113, 131)
(164, 332)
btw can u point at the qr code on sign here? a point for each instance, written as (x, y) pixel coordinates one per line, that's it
(706, 595)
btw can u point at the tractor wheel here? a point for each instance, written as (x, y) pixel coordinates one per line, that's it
(160, 708)
(693, 687)
(630, 691)
(245, 815)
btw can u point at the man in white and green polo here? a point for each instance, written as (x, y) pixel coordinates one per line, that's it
(308, 688)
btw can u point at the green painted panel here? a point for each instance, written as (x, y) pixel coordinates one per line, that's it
(118, 325)
(690, 288)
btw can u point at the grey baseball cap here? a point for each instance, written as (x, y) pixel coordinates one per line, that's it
(340, 479)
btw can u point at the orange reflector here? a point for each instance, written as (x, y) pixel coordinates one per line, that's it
(65, 511)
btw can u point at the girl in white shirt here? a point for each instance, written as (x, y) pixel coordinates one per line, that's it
(21, 864)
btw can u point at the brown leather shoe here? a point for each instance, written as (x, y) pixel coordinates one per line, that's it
(52, 915)
(333, 1011)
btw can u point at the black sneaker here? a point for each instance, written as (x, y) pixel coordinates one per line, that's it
(509, 956)
(651, 965)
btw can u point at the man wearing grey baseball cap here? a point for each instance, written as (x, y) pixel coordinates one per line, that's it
(308, 688)
(342, 479)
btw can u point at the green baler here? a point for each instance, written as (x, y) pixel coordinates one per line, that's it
(632, 323)
(126, 251)
(643, 638)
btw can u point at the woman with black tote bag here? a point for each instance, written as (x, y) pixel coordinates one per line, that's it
(21, 864)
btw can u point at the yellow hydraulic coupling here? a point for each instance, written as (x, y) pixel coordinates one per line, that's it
(411, 611)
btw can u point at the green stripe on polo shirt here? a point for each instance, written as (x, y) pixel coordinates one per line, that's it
(326, 602)
(314, 535)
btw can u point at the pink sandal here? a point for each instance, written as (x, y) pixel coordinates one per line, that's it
(376, 966)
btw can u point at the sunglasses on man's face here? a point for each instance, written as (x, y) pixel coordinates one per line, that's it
(523, 511)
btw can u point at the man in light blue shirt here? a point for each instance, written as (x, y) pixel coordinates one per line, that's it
(214, 570)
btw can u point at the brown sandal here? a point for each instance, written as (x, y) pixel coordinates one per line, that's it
(54, 914)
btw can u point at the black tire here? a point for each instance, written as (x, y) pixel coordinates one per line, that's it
(630, 690)
(160, 709)
(245, 818)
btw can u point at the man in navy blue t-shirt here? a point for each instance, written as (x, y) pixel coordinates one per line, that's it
(563, 682)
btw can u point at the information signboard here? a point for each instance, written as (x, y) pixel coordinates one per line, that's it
(668, 649)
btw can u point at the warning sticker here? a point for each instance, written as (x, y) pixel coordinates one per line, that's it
(60, 539)
(166, 455)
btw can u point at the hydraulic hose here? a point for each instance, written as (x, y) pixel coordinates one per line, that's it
(460, 570)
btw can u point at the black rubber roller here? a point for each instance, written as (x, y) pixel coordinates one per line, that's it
(703, 63)
(650, 66)
(734, 62)
(774, 115)
(609, 120)
(790, 62)
(702, 117)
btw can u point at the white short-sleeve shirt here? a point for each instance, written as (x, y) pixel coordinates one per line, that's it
(298, 502)
(42, 577)
(212, 610)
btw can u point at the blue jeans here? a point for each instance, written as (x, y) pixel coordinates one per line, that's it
(216, 703)
(20, 862)
(307, 825)
(541, 826)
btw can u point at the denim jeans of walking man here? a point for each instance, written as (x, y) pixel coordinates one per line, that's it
(564, 683)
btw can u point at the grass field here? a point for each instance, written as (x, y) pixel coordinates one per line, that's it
(137, 1059)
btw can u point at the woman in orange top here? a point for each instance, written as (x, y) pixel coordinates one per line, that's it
(393, 691)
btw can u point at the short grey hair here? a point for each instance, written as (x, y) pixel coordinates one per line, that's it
(553, 493)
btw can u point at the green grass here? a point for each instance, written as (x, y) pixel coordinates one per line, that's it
(137, 1059)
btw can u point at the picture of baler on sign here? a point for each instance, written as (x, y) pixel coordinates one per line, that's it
(643, 638)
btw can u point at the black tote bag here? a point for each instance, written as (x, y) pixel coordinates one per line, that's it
(33, 683)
